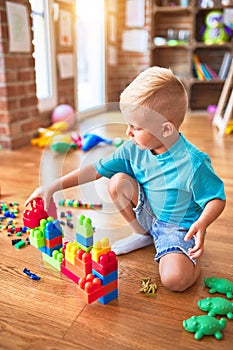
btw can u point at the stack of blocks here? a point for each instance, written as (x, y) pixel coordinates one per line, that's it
(93, 267)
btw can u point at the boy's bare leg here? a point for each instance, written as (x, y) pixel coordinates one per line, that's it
(124, 192)
(177, 271)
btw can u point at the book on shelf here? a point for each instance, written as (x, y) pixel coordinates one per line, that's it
(198, 68)
(225, 65)
(203, 70)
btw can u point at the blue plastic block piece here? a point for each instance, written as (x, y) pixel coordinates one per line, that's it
(49, 251)
(107, 278)
(87, 242)
(109, 297)
(53, 230)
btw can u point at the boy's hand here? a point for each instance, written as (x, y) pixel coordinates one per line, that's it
(197, 231)
(41, 192)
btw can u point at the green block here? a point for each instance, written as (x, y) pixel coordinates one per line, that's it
(84, 226)
(20, 244)
(55, 260)
(37, 239)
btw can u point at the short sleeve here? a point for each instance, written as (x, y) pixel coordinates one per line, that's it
(206, 184)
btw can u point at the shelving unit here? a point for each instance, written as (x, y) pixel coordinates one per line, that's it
(181, 28)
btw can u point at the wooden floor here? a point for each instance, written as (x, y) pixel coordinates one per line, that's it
(48, 314)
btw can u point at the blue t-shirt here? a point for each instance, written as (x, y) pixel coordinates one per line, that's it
(178, 183)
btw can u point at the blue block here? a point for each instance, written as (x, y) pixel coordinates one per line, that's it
(53, 230)
(109, 297)
(107, 278)
(42, 249)
(87, 242)
(49, 251)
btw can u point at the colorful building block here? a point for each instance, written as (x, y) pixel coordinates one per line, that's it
(49, 251)
(50, 243)
(53, 229)
(107, 263)
(91, 289)
(107, 298)
(55, 260)
(100, 248)
(71, 252)
(84, 226)
(37, 238)
(32, 217)
(68, 273)
(83, 262)
(87, 242)
(107, 278)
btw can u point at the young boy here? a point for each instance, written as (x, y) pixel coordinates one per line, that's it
(163, 185)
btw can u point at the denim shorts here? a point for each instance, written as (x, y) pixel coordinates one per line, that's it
(168, 238)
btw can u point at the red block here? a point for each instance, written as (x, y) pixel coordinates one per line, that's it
(107, 263)
(32, 217)
(50, 243)
(90, 288)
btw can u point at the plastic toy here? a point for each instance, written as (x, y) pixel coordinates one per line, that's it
(216, 306)
(148, 288)
(205, 325)
(32, 217)
(215, 32)
(64, 113)
(91, 140)
(78, 204)
(31, 275)
(219, 285)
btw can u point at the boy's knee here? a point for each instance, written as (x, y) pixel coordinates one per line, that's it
(113, 185)
(120, 183)
(175, 282)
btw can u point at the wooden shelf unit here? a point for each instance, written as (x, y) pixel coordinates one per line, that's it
(173, 20)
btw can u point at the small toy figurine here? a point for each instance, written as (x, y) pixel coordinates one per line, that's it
(216, 306)
(215, 32)
(31, 275)
(205, 325)
(219, 285)
(148, 288)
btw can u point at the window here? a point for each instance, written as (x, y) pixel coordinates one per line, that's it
(43, 53)
(91, 54)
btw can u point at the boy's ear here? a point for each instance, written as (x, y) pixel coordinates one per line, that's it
(168, 129)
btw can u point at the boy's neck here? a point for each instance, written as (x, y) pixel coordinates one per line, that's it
(170, 141)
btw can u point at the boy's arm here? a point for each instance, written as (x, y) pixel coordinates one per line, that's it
(75, 178)
(198, 229)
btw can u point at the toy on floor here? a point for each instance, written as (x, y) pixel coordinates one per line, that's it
(229, 128)
(92, 266)
(31, 275)
(78, 204)
(148, 288)
(215, 32)
(219, 285)
(63, 144)
(205, 325)
(91, 140)
(64, 113)
(216, 306)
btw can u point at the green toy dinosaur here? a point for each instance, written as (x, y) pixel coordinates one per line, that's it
(205, 325)
(216, 306)
(220, 285)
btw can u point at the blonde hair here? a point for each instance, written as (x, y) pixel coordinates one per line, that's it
(157, 89)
